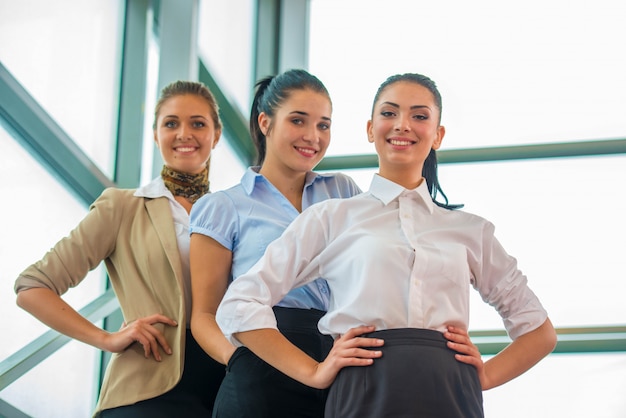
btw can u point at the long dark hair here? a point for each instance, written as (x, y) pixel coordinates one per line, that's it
(429, 171)
(271, 93)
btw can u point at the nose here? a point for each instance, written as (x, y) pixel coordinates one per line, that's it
(402, 123)
(183, 133)
(311, 134)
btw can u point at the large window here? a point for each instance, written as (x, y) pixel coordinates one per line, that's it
(509, 73)
(225, 43)
(38, 211)
(533, 72)
(67, 54)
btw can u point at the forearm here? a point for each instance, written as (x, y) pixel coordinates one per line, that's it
(49, 308)
(208, 334)
(519, 356)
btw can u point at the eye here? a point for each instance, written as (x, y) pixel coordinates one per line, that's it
(199, 124)
(297, 121)
(420, 117)
(324, 126)
(387, 113)
(170, 124)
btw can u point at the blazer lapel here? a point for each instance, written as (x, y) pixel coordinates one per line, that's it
(161, 217)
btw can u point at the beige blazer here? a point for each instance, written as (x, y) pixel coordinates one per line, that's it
(136, 239)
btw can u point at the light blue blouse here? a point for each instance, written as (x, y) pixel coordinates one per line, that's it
(250, 215)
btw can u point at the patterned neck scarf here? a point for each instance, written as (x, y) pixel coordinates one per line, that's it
(190, 186)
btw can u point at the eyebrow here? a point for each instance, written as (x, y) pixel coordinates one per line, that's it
(299, 112)
(178, 117)
(412, 107)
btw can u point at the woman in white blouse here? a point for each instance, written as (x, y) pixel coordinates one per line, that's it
(400, 261)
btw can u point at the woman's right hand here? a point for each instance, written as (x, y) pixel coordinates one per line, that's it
(348, 350)
(142, 331)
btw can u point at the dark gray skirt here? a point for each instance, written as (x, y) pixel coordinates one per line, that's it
(417, 376)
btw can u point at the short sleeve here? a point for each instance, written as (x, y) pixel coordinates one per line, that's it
(215, 216)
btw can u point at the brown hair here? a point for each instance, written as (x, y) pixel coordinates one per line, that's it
(179, 88)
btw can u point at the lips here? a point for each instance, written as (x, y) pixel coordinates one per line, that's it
(306, 151)
(185, 149)
(401, 142)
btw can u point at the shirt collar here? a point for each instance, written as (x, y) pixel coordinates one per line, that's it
(251, 176)
(156, 188)
(386, 191)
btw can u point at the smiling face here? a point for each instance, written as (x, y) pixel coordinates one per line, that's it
(298, 134)
(404, 128)
(185, 133)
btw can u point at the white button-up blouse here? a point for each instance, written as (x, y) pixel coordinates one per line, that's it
(392, 259)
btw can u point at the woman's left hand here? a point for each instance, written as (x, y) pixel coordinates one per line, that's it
(467, 352)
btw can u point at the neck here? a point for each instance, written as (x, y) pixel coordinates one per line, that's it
(407, 178)
(291, 185)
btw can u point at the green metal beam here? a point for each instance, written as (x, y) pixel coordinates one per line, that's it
(235, 124)
(473, 155)
(570, 340)
(293, 35)
(8, 410)
(267, 43)
(132, 93)
(26, 120)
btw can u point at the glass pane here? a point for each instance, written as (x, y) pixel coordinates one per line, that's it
(562, 219)
(42, 212)
(67, 54)
(226, 167)
(152, 81)
(62, 386)
(509, 73)
(225, 39)
(564, 385)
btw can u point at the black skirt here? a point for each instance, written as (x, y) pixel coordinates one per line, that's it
(254, 389)
(417, 376)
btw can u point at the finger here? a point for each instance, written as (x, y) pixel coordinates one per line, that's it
(148, 343)
(473, 361)
(468, 349)
(154, 348)
(355, 353)
(145, 345)
(357, 331)
(361, 342)
(160, 340)
(457, 330)
(363, 353)
(353, 361)
(158, 318)
(456, 337)
(341, 362)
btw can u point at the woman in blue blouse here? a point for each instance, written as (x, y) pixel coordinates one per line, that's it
(290, 125)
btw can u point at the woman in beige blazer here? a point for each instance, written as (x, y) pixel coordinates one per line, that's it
(157, 369)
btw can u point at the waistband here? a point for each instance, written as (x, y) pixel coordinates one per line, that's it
(400, 336)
